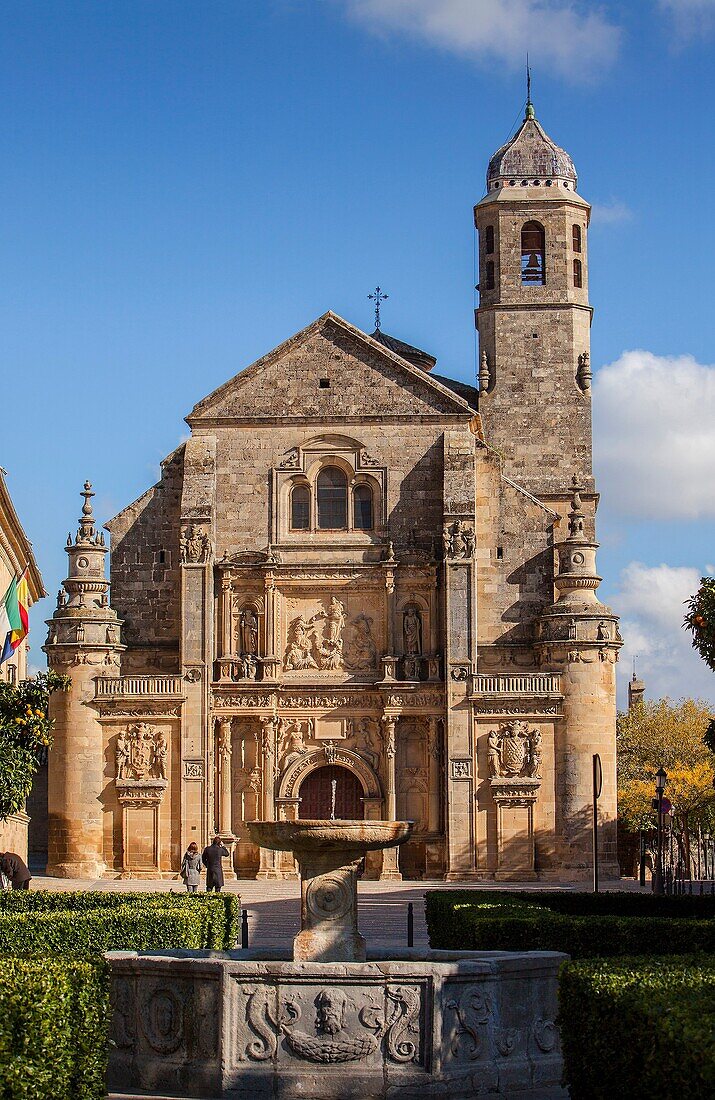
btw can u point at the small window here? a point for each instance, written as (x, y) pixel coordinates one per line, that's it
(533, 254)
(332, 499)
(489, 275)
(576, 236)
(489, 240)
(324, 383)
(300, 508)
(362, 508)
(577, 273)
(162, 557)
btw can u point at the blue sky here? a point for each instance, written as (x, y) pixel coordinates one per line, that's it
(183, 185)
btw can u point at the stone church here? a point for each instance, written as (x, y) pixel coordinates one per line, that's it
(361, 589)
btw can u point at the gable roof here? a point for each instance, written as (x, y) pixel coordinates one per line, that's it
(215, 406)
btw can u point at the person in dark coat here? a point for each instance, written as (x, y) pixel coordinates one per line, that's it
(211, 858)
(15, 869)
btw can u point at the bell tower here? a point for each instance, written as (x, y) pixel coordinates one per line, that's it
(534, 316)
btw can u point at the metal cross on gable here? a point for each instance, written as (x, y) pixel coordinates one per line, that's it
(378, 297)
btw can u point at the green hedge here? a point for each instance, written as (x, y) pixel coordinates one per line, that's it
(218, 917)
(580, 924)
(54, 1028)
(639, 1028)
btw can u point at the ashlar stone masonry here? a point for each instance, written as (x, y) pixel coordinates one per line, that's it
(363, 588)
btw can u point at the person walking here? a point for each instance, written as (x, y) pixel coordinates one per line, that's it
(191, 868)
(211, 858)
(15, 869)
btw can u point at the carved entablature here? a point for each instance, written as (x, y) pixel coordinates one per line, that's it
(140, 792)
(514, 751)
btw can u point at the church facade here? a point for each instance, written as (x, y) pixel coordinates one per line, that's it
(362, 589)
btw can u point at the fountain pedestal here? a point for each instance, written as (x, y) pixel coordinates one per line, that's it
(328, 854)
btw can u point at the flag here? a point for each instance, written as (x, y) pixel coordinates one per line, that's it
(14, 624)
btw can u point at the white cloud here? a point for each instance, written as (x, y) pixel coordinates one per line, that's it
(690, 17)
(610, 213)
(566, 36)
(654, 436)
(651, 601)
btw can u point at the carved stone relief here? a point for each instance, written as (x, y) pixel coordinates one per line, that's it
(141, 753)
(458, 540)
(194, 545)
(514, 751)
(335, 1026)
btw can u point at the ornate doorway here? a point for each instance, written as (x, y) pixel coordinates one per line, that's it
(316, 794)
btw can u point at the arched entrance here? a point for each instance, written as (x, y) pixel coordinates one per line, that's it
(316, 793)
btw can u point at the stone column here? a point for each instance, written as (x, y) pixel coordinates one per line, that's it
(226, 594)
(224, 755)
(390, 865)
(269, 858)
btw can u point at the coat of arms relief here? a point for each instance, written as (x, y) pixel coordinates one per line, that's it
(514, 751)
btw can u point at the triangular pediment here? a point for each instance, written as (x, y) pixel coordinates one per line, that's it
(329, 370)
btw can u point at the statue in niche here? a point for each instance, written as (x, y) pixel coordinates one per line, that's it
(362, 651)
(300, 644)
(248, 631)
(412, 632)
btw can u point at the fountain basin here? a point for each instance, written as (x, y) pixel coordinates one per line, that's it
(321, 836)
(329, 854)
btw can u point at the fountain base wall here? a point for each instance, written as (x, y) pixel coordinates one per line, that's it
(436, 1024)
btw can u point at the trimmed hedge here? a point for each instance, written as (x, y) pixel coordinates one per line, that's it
(54, 1028)
(582, 925)
(639, 1028)
(216, 916)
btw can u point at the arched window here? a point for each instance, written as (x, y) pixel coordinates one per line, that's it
(533, 254)
(577, 273)
(489, 240)
(300, 508)
(332, 499)
(362, 508)
(489, 275)
(576, 237)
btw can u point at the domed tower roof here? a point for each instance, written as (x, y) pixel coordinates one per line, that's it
(530, 157)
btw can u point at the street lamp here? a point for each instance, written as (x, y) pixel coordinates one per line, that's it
(661, 778)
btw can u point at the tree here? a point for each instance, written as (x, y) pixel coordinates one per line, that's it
(25, 735)
(700, 620)
(658, 733)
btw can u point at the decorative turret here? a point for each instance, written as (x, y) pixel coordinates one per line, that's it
(83, 642)
(577, 615)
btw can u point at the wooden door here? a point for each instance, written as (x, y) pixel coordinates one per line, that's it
(316, 795)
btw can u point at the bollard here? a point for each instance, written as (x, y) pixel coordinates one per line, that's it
(244, 928)
(410, 925)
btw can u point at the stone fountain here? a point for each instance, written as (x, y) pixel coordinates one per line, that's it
(329, 1023)
(329, 854)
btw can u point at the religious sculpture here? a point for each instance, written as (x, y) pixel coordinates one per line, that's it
(412, 632)
(514, 751)
(249, 667)
(300, 644)
(295, 731)
(332, 648)
(362, 651)
(248, 631)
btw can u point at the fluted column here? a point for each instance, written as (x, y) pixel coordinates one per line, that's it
(390, 866)
(226, 639)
